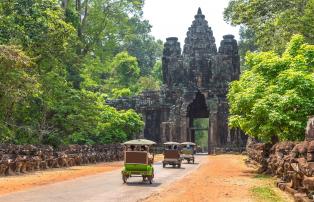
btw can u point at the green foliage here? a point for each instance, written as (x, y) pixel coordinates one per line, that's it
(157, 71)
(273, 21)
(247, 43)
(17, 84)
(143, 46)
(265, 194)
(123, 92)
(57, 65)
(125, 70)
(94, 122)
(201, 136)
(148, 83)
(275, 95)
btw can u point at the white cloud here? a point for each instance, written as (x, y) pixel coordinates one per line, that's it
(174, 17)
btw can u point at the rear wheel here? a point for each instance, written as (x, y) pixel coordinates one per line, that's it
(124, 178)
(188, 161)
(179, 165)
(150, 178)
(193, 161)
(163, 165)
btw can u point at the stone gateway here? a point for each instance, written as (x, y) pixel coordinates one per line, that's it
(195, 85)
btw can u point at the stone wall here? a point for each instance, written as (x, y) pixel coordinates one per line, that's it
(291, 162)
(17, 159)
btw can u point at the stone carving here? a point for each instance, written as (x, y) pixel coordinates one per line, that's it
(291, 162)
(195, 84)
(309, 131)
(17, 159)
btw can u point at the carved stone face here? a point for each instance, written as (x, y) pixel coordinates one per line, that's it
(310, 156)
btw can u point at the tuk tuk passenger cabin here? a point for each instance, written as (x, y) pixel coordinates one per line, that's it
(138, 162)
(187, 152)
(172, 154)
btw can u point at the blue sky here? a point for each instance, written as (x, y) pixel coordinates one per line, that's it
(174, 17)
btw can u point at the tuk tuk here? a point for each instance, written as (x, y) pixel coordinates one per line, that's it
(172, 154)
(138, 162)
(187, 152)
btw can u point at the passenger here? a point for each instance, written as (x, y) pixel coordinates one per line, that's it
(132, 147)
(150, 157)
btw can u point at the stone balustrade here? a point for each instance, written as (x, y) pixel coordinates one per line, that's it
(17, 159)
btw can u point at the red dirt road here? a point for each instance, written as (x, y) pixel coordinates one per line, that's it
(222, 178)
(216, 178)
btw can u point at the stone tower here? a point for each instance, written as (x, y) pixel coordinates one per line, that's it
(195, 85)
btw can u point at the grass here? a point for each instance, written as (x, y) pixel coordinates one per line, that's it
(262, 176)
(265, 193)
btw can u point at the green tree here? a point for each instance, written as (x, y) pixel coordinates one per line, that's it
(148, 83)
(157, 72)
(247, 43)
(273, 21)
(275, 95)
(140, 44)
(57, 65)
(17, 84)
(124, 71)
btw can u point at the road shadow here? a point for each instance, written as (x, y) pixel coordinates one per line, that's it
(201, 154)
(195, 163)
(253, 174)
(174, 168)
(143, 184)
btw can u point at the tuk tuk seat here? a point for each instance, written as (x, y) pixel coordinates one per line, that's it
(171, 154)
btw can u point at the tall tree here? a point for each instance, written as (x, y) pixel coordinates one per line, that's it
(273, 21)
(275, 95)
(42, 54)
(247, 43)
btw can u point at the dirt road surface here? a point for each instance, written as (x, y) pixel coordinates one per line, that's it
(222, 178)
(106, 186)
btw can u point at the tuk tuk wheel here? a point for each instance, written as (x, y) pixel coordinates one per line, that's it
(188, 161)
(193, 161)
(163, 165)
(179, 165)
(150, 178)
(124, 178)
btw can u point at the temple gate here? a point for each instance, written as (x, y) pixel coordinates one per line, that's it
(195, 85)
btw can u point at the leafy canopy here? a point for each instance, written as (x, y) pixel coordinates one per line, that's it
(273, 22)
(275, 95)
(57, 64)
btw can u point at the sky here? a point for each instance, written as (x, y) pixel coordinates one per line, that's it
(172, 18)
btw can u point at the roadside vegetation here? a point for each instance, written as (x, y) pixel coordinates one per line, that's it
(274, 95)
(60, 61)
(265, 194)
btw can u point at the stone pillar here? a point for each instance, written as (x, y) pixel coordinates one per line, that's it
(213, 139)
(213, 135)
(142, 134)
(167, 130)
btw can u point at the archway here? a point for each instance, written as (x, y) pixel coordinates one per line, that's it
(198, 114)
